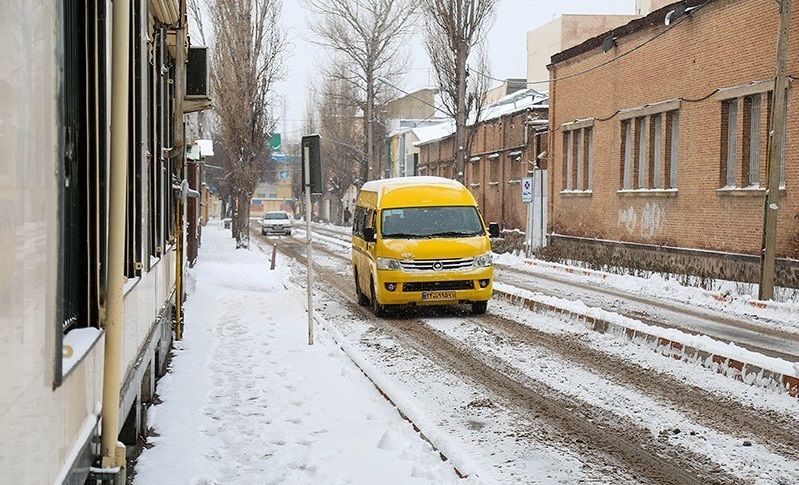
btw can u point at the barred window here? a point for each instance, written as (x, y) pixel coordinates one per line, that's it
(649, 151)
(578, 148)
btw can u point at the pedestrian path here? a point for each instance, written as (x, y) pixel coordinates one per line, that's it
(248, 401)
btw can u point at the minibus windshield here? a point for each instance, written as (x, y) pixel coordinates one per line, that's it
(431, 222)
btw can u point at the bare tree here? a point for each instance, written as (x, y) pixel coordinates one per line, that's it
(341, 148)
(453, 28)
(247, 60)
(368, 35)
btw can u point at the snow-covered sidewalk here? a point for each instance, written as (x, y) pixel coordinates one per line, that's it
(247, 400)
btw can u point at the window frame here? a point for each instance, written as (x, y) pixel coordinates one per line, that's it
(577, 158)
(729, 143)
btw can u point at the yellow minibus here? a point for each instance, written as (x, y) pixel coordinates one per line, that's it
(420, 241)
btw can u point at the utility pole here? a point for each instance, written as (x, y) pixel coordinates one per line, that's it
(768, 256)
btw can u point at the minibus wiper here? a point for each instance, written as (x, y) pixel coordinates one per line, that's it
(402, 235)
(455, 234)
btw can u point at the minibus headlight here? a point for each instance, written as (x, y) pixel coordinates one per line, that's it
(484, 260)
(390, 264)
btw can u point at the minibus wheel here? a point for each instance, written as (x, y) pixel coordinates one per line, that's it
(363, 300)
(479, 307)
(378, 309)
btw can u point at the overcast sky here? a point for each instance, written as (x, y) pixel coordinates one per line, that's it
(506, 45)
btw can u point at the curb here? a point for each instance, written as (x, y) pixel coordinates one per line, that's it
(717, 296)
(741, 371)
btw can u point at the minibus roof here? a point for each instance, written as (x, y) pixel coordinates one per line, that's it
(419, 192)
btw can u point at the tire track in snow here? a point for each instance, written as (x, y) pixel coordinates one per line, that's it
(716, 411)
(591, 430)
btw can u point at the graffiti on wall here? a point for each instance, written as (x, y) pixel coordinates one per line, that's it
(648, 223)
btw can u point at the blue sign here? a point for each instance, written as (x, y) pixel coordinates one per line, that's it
(281, 157)
(527, 189)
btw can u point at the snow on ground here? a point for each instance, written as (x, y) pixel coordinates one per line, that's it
(642, 356)
(738, 296)
(248, 401)
(701, 342)
(753, 463)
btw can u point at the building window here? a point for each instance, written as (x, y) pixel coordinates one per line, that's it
(751, 140)
(649, 151)
(495, 168)
(672, 147)
(656, 152)
(567, 160)
(133, 227)
(640, 153)
(627, 154)
(588, 157)
(578, 147)
(729, 131)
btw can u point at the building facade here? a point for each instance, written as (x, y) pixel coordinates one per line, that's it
(401, 150)
(56, 181)
(507, 145)
(659, 145)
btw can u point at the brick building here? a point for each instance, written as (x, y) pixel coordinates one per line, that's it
(505, 147)
(659, 138)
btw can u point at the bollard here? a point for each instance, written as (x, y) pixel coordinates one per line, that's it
(274, 255)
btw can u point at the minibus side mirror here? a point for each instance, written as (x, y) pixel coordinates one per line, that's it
(493, 229)
(369, 234)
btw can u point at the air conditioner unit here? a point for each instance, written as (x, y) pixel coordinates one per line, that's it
(197, 73)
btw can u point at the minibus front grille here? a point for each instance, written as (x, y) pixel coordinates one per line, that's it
(437, 264)
(437, 286)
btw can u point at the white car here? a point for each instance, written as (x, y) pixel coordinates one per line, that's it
(276, 222)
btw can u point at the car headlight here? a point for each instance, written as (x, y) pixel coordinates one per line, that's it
(484, 260)
(390, 264)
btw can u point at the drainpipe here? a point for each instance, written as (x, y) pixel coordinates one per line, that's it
(113, 452)
(180, 160)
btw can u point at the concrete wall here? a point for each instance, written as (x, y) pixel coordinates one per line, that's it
(560, 34)
(419, 106)
(732, 44)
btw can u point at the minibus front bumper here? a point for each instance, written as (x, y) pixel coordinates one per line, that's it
(395, 287)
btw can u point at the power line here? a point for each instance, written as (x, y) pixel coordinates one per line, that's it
(609, 61)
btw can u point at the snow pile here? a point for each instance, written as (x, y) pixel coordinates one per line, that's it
(701, 342)
(737, 297)
(248, 401)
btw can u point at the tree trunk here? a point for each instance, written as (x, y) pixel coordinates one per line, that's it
(370, 99)
(241, 221)
(460, 120)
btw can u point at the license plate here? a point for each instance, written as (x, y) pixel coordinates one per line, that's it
(438, 295)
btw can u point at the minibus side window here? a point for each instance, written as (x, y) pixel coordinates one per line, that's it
(368, 219)
(357, 228)
(360, 221)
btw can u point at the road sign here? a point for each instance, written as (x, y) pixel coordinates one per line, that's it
(284, 175)
(527, 189)
(275, 142)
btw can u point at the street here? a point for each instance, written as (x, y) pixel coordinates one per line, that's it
(512, 396)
